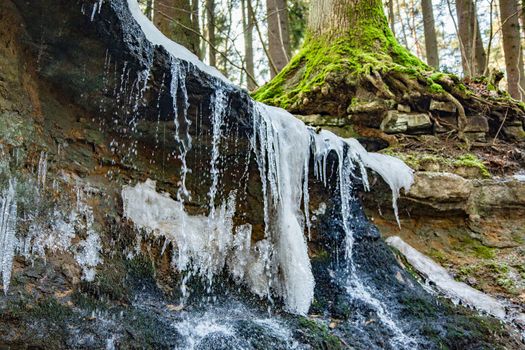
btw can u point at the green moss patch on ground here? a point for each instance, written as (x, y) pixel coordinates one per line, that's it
(425, 161)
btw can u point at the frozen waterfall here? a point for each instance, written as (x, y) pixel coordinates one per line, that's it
(282, 146)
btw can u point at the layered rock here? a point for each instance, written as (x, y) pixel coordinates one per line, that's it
(90, 127)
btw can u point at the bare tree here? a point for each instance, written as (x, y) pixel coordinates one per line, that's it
(391, 20)
(175, 20)
(431, 47)
(473, 57)
(278, 34)
(210, 29)
(512, 48)
(247, 24)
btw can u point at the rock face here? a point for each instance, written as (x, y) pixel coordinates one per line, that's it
(440, 187)
(473, 227)
(446, 191)
(88, 105)
(396, 122)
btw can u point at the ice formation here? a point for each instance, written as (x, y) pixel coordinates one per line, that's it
(88, 250)
(202, 242)
(44, 227)
(157, 38)
(436, 274)
(282, 146)
(8, 240)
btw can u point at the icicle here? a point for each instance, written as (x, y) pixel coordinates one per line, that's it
(202, 244)
(395, 172)
(218, 104)
(285, 142)
(42, 170)
(8, 239)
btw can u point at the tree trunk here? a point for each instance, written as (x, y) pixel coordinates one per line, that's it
(512, 48)
(210, 26)
(473, 57)
(431, 47)
(391, 16)
(348, 45)
(247, 21)
(174, 19)
(351, 67)
(278, 35)
(349, 18)
(522, 16)
(196, 27)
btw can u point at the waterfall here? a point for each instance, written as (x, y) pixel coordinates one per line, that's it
(282, 146)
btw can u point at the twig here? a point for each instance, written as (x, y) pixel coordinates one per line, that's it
(500, 127)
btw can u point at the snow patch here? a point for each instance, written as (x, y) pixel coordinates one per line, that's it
(457, 291)
(178, 51)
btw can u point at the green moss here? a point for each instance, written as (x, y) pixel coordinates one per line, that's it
(368, 46)
(322, 255)
(498, 268)
(467, 271)
(484, 252)
(15, 130)
(109, 283)
(419, 307)
(436, 88)
(417, 161)
(140, 267)
(47, 308)
(438, 255)
(318, 335)
(471, 160)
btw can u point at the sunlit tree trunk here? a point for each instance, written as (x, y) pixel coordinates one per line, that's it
(391, 16)
(512, 48)
(210, 29)
(248, 26)
(278, 35)
(348, 46)
(473, 57)
(431, 47)
(196, 27)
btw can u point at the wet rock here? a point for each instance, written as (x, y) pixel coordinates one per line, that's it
(477, 123)
(322, 120)
(442, 106)
(403, 108)
(396, 122)
(375, 106)
(514, 132)
(472, 281)
(476, 136)
(491, 195)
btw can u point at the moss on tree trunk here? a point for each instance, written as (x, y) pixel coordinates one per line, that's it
(351, 58)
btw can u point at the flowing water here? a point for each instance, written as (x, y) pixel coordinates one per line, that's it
(275, 268)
